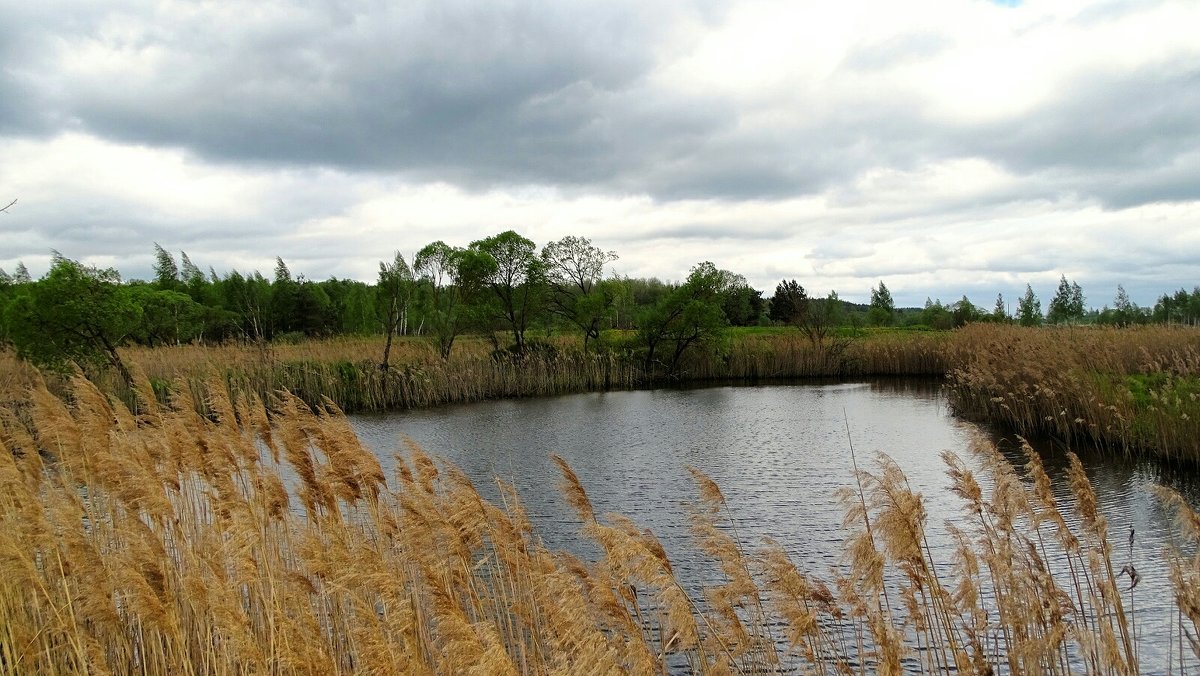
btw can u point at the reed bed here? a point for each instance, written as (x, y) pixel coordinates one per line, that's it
(792, 355)
(256, 541)
(1128, 390)
(346, 370)
(1132, 390)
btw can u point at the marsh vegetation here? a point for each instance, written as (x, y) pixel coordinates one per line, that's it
(270, 540)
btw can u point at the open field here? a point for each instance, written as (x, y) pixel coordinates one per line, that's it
(271, 542)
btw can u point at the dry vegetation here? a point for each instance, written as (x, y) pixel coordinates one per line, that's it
(346, 370)
(1135, 389)
(248, 541)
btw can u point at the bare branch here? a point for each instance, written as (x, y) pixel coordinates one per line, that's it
(6, 206)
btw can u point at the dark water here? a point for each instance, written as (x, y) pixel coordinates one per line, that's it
(779, 453)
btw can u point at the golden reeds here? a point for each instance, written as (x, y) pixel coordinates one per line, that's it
(1135, 389)
(168, 541)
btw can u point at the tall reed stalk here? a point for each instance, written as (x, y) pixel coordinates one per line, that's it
(267, 539)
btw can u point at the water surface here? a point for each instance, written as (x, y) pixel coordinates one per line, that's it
(779, 454)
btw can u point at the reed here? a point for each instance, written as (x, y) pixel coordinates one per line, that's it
(269, 541)
(346, 371)
(1129, 390)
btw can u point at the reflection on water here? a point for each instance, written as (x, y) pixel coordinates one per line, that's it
(779, 454)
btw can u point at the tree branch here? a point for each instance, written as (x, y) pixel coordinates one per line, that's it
(6, 206)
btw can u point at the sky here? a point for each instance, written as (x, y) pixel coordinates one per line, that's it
(944, 147)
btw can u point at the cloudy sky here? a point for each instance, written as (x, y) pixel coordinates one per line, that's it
(943, 146)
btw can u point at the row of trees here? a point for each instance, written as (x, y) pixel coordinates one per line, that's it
(497, 286)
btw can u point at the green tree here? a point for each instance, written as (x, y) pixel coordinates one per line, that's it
(937, 315)
(248, 298)
(965, 312)
(883, 310)
(394, 293)
(999, 311)
(75, 313)
(790, 303)
(1029, 309)
(352, 306)
(168, 317)
(451, 276)
(1124, 310)
(823, 316)
(574, 271)
(285, 298)
(1067, 304)
(166, 273)
(517, 282)
(689, 316)
(311, 313)
(742, 304)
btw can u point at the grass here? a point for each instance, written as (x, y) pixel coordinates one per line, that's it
(258, 540)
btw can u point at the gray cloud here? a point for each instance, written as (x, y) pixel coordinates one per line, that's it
(1112, 137)
(491, 94)
(317, 98)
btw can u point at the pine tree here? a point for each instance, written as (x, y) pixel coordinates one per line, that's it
(999, 312)
(1029, 308)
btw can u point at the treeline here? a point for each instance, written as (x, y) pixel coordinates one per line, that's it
(503, 287)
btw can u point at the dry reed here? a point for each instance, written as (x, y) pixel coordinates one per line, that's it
(1132, 390)
(166, 541)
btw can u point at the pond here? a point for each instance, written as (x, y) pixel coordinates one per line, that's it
(779, 454)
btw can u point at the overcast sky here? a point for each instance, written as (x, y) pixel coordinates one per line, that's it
(944, 147)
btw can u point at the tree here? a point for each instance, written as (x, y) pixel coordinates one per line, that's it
(689, 316)
(574, 271)
(743, 304)
(936, 315)
(882, 311)
(75, 313)
(1123, 309)
(166, 273)
(168, 317)
(352, 306)
(790, 303)
(451, 277)
(517, 282)
(249, 299)
(311, 312)
(1067, 304)
(999, 312)
(964, 312)
(21, 274)
(393, 295)
(1029, 309)
(823, 316)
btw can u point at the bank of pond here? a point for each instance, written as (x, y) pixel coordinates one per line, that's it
(1129, 391)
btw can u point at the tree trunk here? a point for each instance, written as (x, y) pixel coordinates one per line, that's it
(387, 350)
